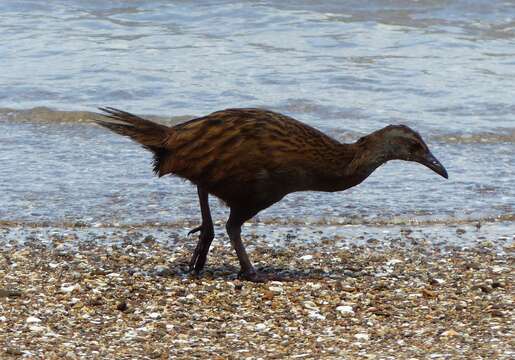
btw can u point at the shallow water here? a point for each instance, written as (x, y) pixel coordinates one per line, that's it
(70, 172)
(347, 68)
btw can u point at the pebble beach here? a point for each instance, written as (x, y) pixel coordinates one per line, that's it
(407, 265)
(124, 294)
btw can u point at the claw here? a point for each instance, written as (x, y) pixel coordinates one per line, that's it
(198, 250)
(198, 258)
(193, 231)
(191, 265)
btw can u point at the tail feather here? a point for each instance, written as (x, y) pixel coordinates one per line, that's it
(125, 116)
(149, 134)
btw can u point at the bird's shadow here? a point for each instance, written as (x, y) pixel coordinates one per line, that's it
(230, 272)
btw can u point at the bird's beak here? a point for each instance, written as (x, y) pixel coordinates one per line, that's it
(431, 162)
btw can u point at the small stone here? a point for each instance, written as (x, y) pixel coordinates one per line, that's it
(268, 295)
(487, 244)
(13, 351)
(497, 284)
(154, 315)
(260, 327)
(63, 249)
(486, 288)
(306, 257)
(74, 301)
(98, 272)
(238, 285)
(496, 269)
(122, 306)
(428, 293)
(345, 309)
(393, 262)
(70, 355)
(32, 320)
(161, 270)
(68, 288)
(310, 305)
(473, 265)
(315, 315)
(95, 302)
(449, 333)
(436, 281)
(461, 306)
(347, 288)
(37, 328)
(276, 289)
(9, 293)
(314, 286)
(149, 239)
(350, 273)
(496, 313)
(362, 336)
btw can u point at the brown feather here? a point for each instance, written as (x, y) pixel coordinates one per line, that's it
(241, 154)
(251, 158)
(148, 133)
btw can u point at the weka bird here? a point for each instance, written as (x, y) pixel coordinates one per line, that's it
(252, 158)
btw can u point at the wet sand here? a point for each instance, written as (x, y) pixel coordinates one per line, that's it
(126, 295)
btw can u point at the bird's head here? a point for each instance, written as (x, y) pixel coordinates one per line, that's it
(402, 143)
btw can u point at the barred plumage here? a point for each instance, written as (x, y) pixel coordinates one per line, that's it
(252, 158)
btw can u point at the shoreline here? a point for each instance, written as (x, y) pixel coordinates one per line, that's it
(70, 298)
(50, 115)
(280, 221)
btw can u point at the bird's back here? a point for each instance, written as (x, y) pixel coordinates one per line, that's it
(237, 150)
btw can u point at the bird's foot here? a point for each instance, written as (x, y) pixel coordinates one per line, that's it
(192, 266)
(199, 256)
(259, 277)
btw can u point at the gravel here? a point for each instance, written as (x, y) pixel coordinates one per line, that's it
(135, 300)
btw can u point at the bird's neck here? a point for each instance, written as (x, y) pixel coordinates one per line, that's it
(369, 154)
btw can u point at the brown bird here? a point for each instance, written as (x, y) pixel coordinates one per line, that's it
(252, 158)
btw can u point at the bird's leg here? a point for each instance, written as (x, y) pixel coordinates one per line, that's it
(247, 271)
(207, 233)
